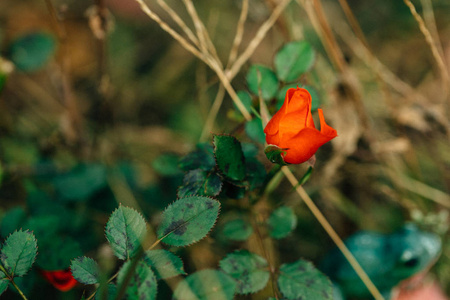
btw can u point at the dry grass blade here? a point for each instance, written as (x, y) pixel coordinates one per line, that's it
(205, 41)
(430, 20)
(213, 63)
(432, 44)
(334, 236)
(179, 22)
(254, 43)
(420, 188)
(172, 32)
(239, 33)
(214, 110)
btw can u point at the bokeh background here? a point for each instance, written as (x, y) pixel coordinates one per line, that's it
(118, 96)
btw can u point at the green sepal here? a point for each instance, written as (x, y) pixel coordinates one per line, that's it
(275, 154)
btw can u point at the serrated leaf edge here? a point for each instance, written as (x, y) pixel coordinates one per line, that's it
(240, 250)
(182, 264)
(34, 259)
(79, 258)
(209, 173)
(120, 206)
(195, 241)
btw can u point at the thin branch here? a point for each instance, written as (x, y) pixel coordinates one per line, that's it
(420, 188)
(227, 84)
(353, 22)
(164, 26)
(205, 41)
(214, 110)
(334, 236)
(431, 43)
(254, 43)
(430, 20)
(179, 22)
(239, 34)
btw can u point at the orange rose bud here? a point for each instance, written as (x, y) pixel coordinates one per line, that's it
(292, 128)
(61, 279)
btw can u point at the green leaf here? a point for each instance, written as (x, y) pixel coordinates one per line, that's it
(302, 280)
(201, 158)
(12, 220)
(201, 183)
(110, 290)
(281, 222)
(85, 270)
(3, 285)
(248, 269)
(293, 60)
(188, 220)
(261, 77)
(18, 253)
(167, 164)
(31, 52)
(237, 230)
(56, 252)
(255, 130)
(125, 231)
(206, 285)
(275, 154)
(256, 173)
(246, 99)
(1, 168)
(229, 157)
(143, 283)
(250, 150)
(81, 182)
(44, 227)
(164, 263)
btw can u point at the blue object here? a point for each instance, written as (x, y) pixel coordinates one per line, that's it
(387, 259)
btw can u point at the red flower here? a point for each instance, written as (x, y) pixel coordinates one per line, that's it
(60, 279)
(292, 128)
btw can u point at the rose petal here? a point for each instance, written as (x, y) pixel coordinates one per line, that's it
(304, 144)
(325, 129)
(60, 279)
